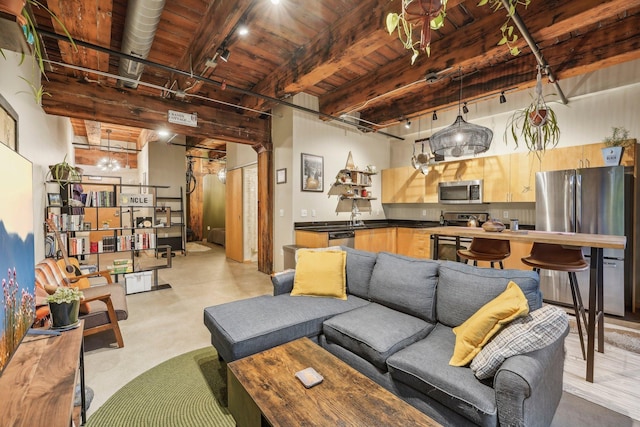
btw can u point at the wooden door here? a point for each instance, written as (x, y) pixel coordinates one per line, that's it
(234, 247)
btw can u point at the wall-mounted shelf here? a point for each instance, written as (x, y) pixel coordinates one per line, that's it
(352, 188)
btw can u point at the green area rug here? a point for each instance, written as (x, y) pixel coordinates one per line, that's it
(185, 392)
(182, 392)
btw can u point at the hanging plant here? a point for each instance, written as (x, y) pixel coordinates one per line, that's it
(427, 14)
(536, 125)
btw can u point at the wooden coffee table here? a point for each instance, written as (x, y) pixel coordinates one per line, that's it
(263, 387)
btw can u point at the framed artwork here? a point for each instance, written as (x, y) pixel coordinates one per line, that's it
(312, 172)
(8, 125)
(281, 176)
(54, 199)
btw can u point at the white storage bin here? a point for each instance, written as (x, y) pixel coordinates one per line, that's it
(138, 282)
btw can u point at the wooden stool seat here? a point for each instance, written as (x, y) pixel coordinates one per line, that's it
(490, 250)
(562, 258)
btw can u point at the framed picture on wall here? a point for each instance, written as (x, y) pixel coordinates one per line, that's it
(312, 172)
(281, 176)
(8, 125)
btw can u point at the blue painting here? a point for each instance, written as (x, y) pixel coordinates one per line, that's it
(17, 272)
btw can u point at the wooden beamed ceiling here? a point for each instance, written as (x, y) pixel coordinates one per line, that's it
(337, 50)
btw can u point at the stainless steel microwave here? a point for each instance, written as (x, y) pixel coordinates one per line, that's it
(460, 192)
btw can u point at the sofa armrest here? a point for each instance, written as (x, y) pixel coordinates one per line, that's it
(529, 386)
(283, 281)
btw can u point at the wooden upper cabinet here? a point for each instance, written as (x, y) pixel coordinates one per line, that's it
(462, 170)
(496, 179)
(522, 182)
(592, 156)
(403, 185)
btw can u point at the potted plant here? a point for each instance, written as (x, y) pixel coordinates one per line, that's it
(64, 305)
(615, 144)
(536, 124)
(63, 173)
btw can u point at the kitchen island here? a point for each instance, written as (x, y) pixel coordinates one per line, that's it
(597, 243)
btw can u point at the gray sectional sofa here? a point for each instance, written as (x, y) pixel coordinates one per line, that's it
(396, 328)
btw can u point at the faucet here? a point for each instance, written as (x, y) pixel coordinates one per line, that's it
(355, 214)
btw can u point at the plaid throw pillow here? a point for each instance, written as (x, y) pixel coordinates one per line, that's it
(535, 331)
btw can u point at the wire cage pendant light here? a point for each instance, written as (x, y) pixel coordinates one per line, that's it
(107, 163)
(461, 138)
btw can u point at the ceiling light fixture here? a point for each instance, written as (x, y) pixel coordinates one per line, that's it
(225, 55)
(461, 138)
(243, 30)
(465, 109)
(503, 98)
(407, 124)
(107, 163)
(222, 175)
(275, 1)
(434, 116)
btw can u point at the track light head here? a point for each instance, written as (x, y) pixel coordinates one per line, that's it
(407, 124)
(225, 55)
(434, 116)
(503, 98)
(465, 109)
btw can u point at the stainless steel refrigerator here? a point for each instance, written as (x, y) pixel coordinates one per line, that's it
(595, 201)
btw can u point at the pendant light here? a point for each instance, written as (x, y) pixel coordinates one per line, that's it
(461, 138)
(107, 163)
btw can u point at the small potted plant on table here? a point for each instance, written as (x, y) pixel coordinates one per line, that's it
(64, 305)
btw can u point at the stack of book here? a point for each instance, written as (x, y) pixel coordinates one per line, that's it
(121, 266)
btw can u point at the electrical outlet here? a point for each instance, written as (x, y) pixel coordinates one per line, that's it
(281, 212)
(505, 214)
(303, 212)
(424, 212)
(313, 213)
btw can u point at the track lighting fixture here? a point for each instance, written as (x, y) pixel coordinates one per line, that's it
(465, 110)
(225, 55)
(503, 99)
(434, 116)
(407, 124)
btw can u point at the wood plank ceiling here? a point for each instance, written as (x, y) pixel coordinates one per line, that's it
(337, 50)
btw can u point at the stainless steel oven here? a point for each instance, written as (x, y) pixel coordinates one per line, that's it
(449, 245)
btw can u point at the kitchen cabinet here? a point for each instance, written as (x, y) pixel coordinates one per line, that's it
(581, 156)
(592, 156)
(403, 185)
(513, 261)
(510, 178)
(376, 239)
(413, 242)
(461, 170)
(312, 239)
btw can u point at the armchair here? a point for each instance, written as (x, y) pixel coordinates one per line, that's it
(105, 304)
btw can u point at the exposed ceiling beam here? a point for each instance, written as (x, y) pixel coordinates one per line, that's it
(73, 98)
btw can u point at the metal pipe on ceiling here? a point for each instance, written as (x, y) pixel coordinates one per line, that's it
(517, 19)
(229, 87)
(140, 27)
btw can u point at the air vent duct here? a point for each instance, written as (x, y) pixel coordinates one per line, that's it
(140, 27)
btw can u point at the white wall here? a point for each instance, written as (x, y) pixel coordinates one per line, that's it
(296, 132)
(43, 139)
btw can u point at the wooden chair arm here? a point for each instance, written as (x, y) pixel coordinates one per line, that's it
(103, 273)
(104, 298)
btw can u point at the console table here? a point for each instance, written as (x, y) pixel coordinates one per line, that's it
(37, 388)
(597, 243)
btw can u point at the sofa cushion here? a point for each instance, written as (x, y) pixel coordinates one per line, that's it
(245, 327)
(537, 330)
(359, 269)
(424, 366)
(374, 332)
(463, 289)
(405, 284)
(320, 274)
(478, 329)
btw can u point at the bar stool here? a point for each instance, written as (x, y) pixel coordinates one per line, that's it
(562, 258)
(490, 250)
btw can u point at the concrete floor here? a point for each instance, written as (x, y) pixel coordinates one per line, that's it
(168, 322)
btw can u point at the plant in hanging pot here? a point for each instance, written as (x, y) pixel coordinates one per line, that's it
(64, 305)
(536, 125)
(63, 173)
(615, 145)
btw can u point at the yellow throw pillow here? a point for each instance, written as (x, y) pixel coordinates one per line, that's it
(477, 330)
(320, 274)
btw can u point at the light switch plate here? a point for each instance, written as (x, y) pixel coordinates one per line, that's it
(303, 212)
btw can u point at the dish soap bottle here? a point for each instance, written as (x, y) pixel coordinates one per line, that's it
(441, 219)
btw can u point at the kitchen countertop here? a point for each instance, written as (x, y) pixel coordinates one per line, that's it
(331, 226)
